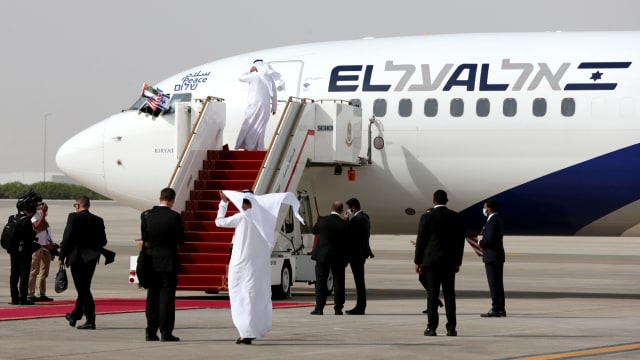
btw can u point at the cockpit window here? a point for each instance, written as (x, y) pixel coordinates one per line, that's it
(140, 104)
(176, 98)
(136, 105)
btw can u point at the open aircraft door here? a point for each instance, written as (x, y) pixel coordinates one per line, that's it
(289, 82)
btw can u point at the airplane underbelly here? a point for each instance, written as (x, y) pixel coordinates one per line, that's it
(547, 181)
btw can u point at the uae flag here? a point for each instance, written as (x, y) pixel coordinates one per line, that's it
(156, 99)
(148, 91)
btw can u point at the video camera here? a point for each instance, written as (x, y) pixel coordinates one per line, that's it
(55, 251)
(29, 201)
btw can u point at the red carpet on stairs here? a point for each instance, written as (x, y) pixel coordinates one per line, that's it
(204, 257)
(115, 306)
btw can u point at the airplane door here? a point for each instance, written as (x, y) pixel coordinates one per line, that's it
(289, 82)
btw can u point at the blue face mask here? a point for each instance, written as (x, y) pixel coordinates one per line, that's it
(484, 212)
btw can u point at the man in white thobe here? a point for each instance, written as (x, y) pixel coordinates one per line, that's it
(249, 267)
(262, 100)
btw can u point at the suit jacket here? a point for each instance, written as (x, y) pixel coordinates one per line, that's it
(162, 232)
(491, 243)
(440, 241)
(359, 232)
(333, 233)
(83, 238)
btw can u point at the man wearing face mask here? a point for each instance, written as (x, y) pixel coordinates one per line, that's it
(358, 251)
(493, 257)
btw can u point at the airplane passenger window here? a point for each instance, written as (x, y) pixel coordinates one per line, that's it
(431, 107)
(568, 107)
(457, 107)
(380, 107)
(509, 107)
(482, 107)
(405, 107)
(539, 107)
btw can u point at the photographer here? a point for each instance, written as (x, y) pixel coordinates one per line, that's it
(41, 258)
(22, 248)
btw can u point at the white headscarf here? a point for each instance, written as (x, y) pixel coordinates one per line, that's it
(268, 70)
(265, 209)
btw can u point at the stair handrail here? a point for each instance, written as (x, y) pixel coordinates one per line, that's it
(181, 198)
(276, 136)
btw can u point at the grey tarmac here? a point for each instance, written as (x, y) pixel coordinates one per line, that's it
(574, 297)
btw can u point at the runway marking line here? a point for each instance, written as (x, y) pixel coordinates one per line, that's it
(586, 352)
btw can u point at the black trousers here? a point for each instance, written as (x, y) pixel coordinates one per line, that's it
(20, 268)
(161, 303)
(495, 272)
(422, 278)
(82, 274)
(322, 274)
(436, 278)
(357, 268)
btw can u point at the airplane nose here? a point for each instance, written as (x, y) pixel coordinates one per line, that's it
(82, 158)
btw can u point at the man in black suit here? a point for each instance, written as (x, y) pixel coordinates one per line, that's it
(439, 249)
(20, 254)
(493, 257)
(358, 251)
(330, 255)
(83, 240)
(162, 232)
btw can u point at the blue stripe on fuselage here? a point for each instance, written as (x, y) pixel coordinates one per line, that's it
(565, 201)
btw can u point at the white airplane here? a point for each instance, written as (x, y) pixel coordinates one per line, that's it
(546, 123)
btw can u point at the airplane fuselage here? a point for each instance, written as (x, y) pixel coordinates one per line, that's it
(547, 123)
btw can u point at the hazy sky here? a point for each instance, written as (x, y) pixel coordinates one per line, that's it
(82, 60)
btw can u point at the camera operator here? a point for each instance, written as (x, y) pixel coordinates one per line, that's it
(21, 248)
(41, 258)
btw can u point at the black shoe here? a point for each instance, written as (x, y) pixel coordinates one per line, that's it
(87, 326)
(429, 332)
(246, 341)
(452, 333)
(26, 302)
(43, 298)
(502, 313)
(338, 312)
(169, 338)
(32, 298)
(150, 336)
(316, 312)
(492, 313)
(14, 302)
(425, 311)
(355, 311)
(70, 319)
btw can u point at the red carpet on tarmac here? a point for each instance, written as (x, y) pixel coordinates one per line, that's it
(115, 306)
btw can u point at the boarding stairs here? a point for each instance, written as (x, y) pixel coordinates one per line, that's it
(305, 134)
